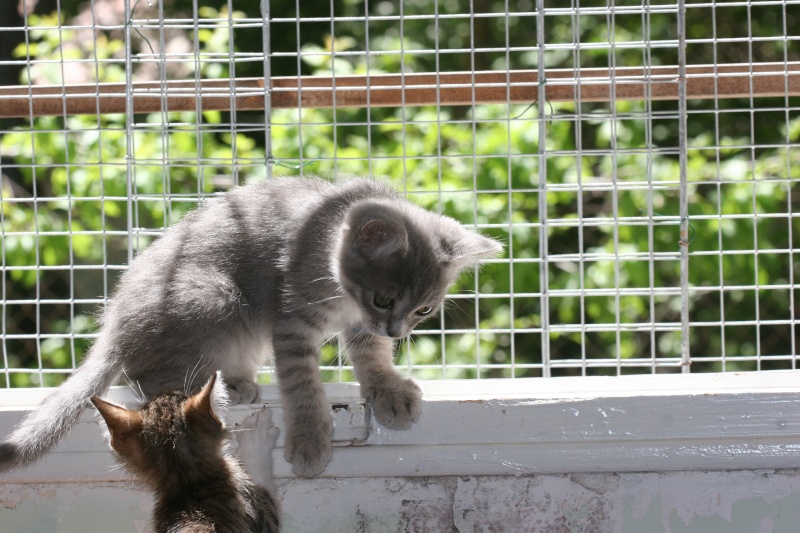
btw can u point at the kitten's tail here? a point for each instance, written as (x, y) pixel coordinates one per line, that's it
(42, 428)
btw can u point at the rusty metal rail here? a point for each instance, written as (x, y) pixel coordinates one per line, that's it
(394, 90)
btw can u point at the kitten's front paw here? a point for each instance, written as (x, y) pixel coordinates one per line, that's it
(309, 453)
(396, 405)
(242, 391)
(256, 436)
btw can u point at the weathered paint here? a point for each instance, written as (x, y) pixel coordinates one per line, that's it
(620, 455)
(73, 507)
(644, 431)
(676, 502)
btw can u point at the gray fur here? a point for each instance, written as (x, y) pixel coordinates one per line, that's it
(271, 268)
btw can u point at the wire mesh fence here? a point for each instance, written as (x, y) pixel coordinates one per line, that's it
(638, 158)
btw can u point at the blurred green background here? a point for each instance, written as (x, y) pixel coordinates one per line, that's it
(65, 196)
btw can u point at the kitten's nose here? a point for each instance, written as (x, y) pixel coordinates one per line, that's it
(396, 330)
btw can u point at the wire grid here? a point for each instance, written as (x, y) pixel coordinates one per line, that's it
(643, 234)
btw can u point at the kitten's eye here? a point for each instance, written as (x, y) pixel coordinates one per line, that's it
(422, 311)
(382, 301)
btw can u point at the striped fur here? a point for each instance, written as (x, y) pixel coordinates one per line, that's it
(178, 447)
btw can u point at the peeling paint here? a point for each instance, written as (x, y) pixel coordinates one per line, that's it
(12, 497)
(464, 513)
(394, 485)
(762, 501)
(597, 483)
(78, 507)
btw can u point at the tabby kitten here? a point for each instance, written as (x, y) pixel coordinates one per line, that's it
(272, 269)
(179, 447)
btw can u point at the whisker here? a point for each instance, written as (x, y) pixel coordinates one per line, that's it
(357, 341)
(195, 372)
(329, 339)
(325, 299)
(141, 391)
(323, 278)
(185, 378)
(116, 467)
(360, 324)
(144, 396)
(343, 348)
(448, 303)
(363, 338)
(140, 399)
(448, 314)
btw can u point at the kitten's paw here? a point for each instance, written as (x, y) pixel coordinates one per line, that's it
(308, 453)
(397, 405)
(256, 436)
(241, 390)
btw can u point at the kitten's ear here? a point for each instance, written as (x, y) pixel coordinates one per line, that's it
(121, 422)
(380, 239)
(465, 247)
(200, 409)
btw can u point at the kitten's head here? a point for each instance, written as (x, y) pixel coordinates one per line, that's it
(171, 435)
(397, 261)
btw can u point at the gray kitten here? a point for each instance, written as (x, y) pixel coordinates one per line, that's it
(273, 268)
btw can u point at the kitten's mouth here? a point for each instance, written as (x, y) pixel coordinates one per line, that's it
(382, 331)
(377, 330)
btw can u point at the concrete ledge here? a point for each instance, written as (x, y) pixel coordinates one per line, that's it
(513, 427)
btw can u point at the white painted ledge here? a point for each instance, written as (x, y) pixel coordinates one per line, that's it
(513, 427)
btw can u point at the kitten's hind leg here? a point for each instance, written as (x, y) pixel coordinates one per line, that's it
(396, 400)
(257, 436)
